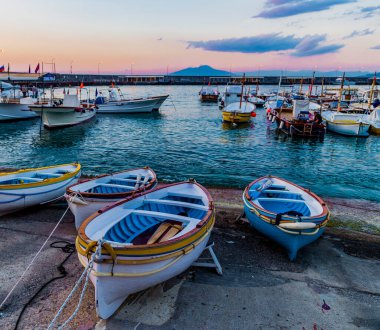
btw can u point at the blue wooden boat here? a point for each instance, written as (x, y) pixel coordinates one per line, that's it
(285, 212)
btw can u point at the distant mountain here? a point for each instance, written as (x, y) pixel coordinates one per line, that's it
(203, 70)
(206, 70)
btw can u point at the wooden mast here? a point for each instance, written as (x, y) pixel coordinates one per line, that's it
(341, 90)
(242, 90)
(371, 93)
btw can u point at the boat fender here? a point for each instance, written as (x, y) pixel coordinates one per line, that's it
(273, 119)
(74, 199)
(270, 117)
(281, 124)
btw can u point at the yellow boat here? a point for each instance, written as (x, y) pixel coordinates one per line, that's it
(238, 112)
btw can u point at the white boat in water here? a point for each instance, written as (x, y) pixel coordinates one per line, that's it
(145, 240)
(69, 113)
(373, 119)
(116, 103)
(89, 196)
(351, 124)
(13, 104)
(30, 187)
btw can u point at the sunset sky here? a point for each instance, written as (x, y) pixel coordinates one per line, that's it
(152, 36)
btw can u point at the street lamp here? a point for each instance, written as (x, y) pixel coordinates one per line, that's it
(71, 67)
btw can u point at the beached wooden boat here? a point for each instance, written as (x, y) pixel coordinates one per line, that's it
(345, 123)
(91, 195)
(69, 113)
(116, 103)
(285, 212)
(146, 240)
(30, 187)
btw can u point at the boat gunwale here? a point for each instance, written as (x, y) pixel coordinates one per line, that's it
(132, 193)
(324, 213)
(45, 182)
(198, 228)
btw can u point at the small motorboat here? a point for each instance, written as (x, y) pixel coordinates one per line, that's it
(208, 94)
(285, 212)
(116, 103)
(69, 113)
(346, 123)
(31, 187)
(14, 105)
(238, 112)
(144, 240)
(92, 195)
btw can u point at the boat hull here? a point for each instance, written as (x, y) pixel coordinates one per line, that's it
(15, 199)
(209, 98)
(60, 117)
(236, 117)
(132, 106)
(291, 232)
(15, 111)
(350, 129)
(292, 243)
(111, 291)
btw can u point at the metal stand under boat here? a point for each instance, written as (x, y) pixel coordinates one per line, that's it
(206, 261)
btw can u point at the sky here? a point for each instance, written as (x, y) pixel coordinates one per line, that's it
(159, 36)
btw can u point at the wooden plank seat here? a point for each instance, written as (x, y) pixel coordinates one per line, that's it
(281, 200)
(48, 175)
(25, 178)
(281, 192)
(176, 203)
(112, 185)
(166, 216)
(177, 194)
(164, 232)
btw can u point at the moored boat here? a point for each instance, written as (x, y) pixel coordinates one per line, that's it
(69, 113)
(238, 112)
(89, 196)
(299, 123)
(208, 94)
(373, 119)
(116, 103)
(344, 123)
(30, 187)
(144, 240)
(285, 212)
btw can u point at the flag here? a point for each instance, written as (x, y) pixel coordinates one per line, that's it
(37, 69)
(2, 68)
(96, 92)
(112, 84)
(81, 85)
(64, 91)
(29, 68)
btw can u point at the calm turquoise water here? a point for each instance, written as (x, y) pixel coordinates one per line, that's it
(189, 140)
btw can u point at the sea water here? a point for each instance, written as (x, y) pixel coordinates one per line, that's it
(187, 139)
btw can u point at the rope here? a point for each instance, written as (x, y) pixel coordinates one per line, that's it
(35, 257)
(175, 109)
(68, 248)
(87, 272)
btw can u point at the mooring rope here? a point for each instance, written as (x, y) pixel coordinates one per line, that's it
(31, 263)
(87, 272)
